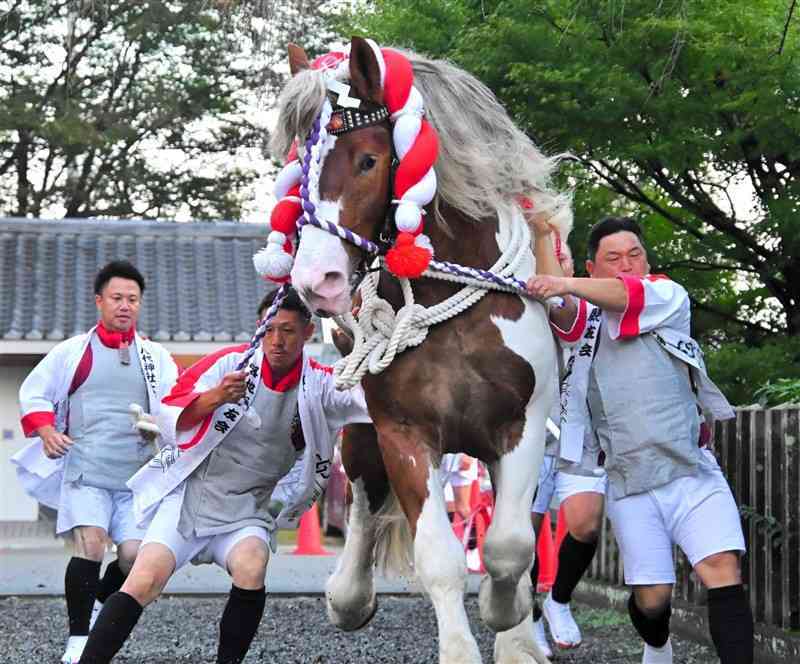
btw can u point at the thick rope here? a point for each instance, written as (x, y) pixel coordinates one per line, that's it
(380, 333)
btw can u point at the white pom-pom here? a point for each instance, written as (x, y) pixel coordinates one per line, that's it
(408, 217)
(276, 237)
(273, 262)
(424, 241)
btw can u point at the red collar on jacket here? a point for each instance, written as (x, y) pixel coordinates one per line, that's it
(113, 339)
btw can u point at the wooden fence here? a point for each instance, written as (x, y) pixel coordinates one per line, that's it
(760, 454)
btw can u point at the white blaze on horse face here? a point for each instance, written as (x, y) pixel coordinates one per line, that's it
(441, 566)
(321, 271)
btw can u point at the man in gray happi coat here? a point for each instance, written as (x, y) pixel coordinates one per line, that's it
(636, 380)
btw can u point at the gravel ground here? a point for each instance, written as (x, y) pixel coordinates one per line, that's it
(295, 630)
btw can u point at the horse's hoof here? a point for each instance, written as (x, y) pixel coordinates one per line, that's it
(501, 613)
(366, 620)
(352, 621)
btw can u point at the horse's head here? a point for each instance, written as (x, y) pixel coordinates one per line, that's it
(353, 186)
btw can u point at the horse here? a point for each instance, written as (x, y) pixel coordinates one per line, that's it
(480, 382)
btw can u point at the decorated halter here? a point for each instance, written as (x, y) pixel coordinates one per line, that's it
(414, 186)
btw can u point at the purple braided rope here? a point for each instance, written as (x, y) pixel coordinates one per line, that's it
(261, 330)
(475, 273)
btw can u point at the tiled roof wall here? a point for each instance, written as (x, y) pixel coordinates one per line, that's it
(201, 284)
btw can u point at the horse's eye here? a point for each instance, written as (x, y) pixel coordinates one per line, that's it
(367, 163)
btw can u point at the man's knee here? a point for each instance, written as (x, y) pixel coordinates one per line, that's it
(720, 569)
(584, 514)
(247, 564)
(652, 601)
(151, 571)
(650, 614)
(587, 531)
(90, 542)
(145, 584)
(126, 555)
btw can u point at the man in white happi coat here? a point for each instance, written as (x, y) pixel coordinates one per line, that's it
(77, 402)
(245, 438)
(579, 484)
(636, 382)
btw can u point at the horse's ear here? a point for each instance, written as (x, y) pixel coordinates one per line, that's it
(365, 73)
(298, 60)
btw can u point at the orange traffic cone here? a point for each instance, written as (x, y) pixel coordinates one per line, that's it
(309, 536)
(480, 507)
(547, 556)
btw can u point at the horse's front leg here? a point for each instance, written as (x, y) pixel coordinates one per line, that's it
(350, 591)
(439, 560)
(505, 594)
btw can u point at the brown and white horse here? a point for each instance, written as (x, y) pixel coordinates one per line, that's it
(480, 383)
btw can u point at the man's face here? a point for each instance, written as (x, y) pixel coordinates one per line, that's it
(286, 335)
(619, 253)
(118, 304)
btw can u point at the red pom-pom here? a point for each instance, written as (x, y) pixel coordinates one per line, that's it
(284, 216)
(407, 259)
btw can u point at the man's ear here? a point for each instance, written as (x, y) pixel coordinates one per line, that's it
(309, 331)
(298, 60)
(365, 73)
(589, 267)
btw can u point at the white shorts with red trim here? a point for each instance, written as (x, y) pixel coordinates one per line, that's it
(83, 505)
(698, 513)
(200, 550)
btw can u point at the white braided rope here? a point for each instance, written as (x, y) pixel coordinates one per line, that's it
(380, 333)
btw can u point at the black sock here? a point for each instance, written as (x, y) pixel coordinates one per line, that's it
(239, 624)
(653, 630)
(574, 558)
(731, 624)
(111, 582)
(80, 588)
(116, 621)
(472, 540)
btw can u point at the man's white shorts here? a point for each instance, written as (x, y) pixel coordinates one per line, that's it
(215, 548)
(82, 505)
(563, 485)
(697, 513)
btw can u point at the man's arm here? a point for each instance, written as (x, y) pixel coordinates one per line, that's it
(547, 264)
(230, 390)
(608, 294)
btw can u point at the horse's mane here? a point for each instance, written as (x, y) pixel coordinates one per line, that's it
(485, 161)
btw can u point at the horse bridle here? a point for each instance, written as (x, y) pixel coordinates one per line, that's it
(344, 120)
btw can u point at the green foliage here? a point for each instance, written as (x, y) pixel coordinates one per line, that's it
(122, 109)
(782, 391)
(740, 370)
(681, 113)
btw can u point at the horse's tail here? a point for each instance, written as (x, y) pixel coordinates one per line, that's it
(394, 545)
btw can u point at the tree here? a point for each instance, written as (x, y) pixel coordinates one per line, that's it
(132, 109)
(670, 108)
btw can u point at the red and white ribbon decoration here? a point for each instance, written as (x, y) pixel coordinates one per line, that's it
(416, 145)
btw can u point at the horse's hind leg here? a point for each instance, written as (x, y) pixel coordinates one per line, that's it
(350, 591)
(439, 559)
(505, 596)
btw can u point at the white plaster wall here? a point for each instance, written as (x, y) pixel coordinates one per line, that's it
(15, 505)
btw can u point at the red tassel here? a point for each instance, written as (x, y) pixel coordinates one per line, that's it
(406, 259)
